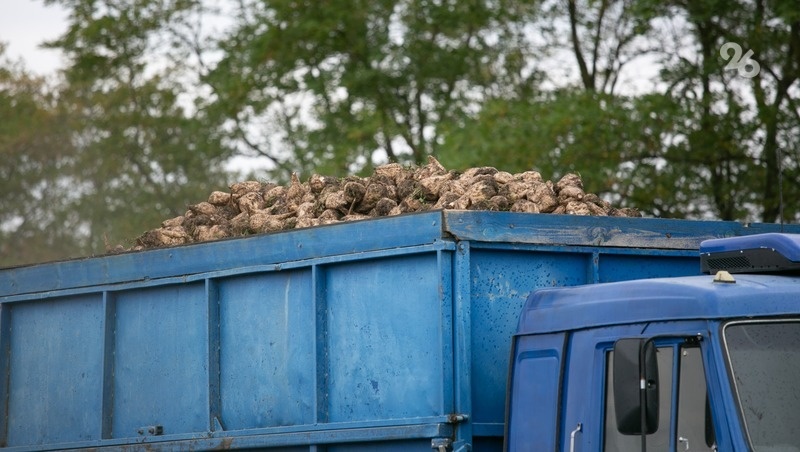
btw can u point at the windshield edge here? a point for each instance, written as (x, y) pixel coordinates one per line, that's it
(730, 371)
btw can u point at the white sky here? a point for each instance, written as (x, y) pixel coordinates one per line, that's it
(24, 25)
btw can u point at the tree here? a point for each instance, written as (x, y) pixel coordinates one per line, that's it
(350, 84)
(154, 102)
(705, 143)
(582, 124)
(144, 149)
(34, 148)
(744, 123)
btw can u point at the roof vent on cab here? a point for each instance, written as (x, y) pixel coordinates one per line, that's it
(760, 253)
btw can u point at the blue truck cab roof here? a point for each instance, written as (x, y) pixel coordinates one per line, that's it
(765, 287)
(659, 299)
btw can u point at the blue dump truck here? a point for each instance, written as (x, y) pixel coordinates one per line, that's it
(443, 330)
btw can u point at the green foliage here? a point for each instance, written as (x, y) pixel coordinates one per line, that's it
(154, 101)
(34, 148)
(376, 78)
(135, 157)
(706, 145)
(555, 135)
(141, 160)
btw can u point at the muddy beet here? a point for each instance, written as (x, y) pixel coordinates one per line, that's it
(253, 207)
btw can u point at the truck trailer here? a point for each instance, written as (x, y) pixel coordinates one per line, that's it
(442, 330)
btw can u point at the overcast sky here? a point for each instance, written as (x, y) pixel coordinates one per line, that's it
(24, 24)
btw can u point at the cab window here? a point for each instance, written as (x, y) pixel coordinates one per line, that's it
(682, 391)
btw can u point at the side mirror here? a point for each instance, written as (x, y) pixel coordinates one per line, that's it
(636, 386)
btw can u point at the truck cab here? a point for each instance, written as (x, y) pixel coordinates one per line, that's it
(699, 363)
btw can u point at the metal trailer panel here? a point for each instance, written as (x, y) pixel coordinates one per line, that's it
(390, 334)
(326, 352)
(624, 232)
(56, 354)
(501, 278)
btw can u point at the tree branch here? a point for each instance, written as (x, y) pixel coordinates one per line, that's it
(597, 36)
(586, 77)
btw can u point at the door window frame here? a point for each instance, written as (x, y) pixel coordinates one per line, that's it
(676, 344)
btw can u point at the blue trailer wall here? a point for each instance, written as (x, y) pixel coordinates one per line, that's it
(392, 332)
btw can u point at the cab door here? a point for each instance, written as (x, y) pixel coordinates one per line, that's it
(684, 421)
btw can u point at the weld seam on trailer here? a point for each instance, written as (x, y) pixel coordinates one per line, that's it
(265, 268)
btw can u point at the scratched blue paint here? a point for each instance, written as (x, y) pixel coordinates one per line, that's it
(55, 364)
(501, 281)
(626, 267)
(161, 360)
(267, 350)
(384, 328)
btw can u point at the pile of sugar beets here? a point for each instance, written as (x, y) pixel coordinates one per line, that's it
(255, 207)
